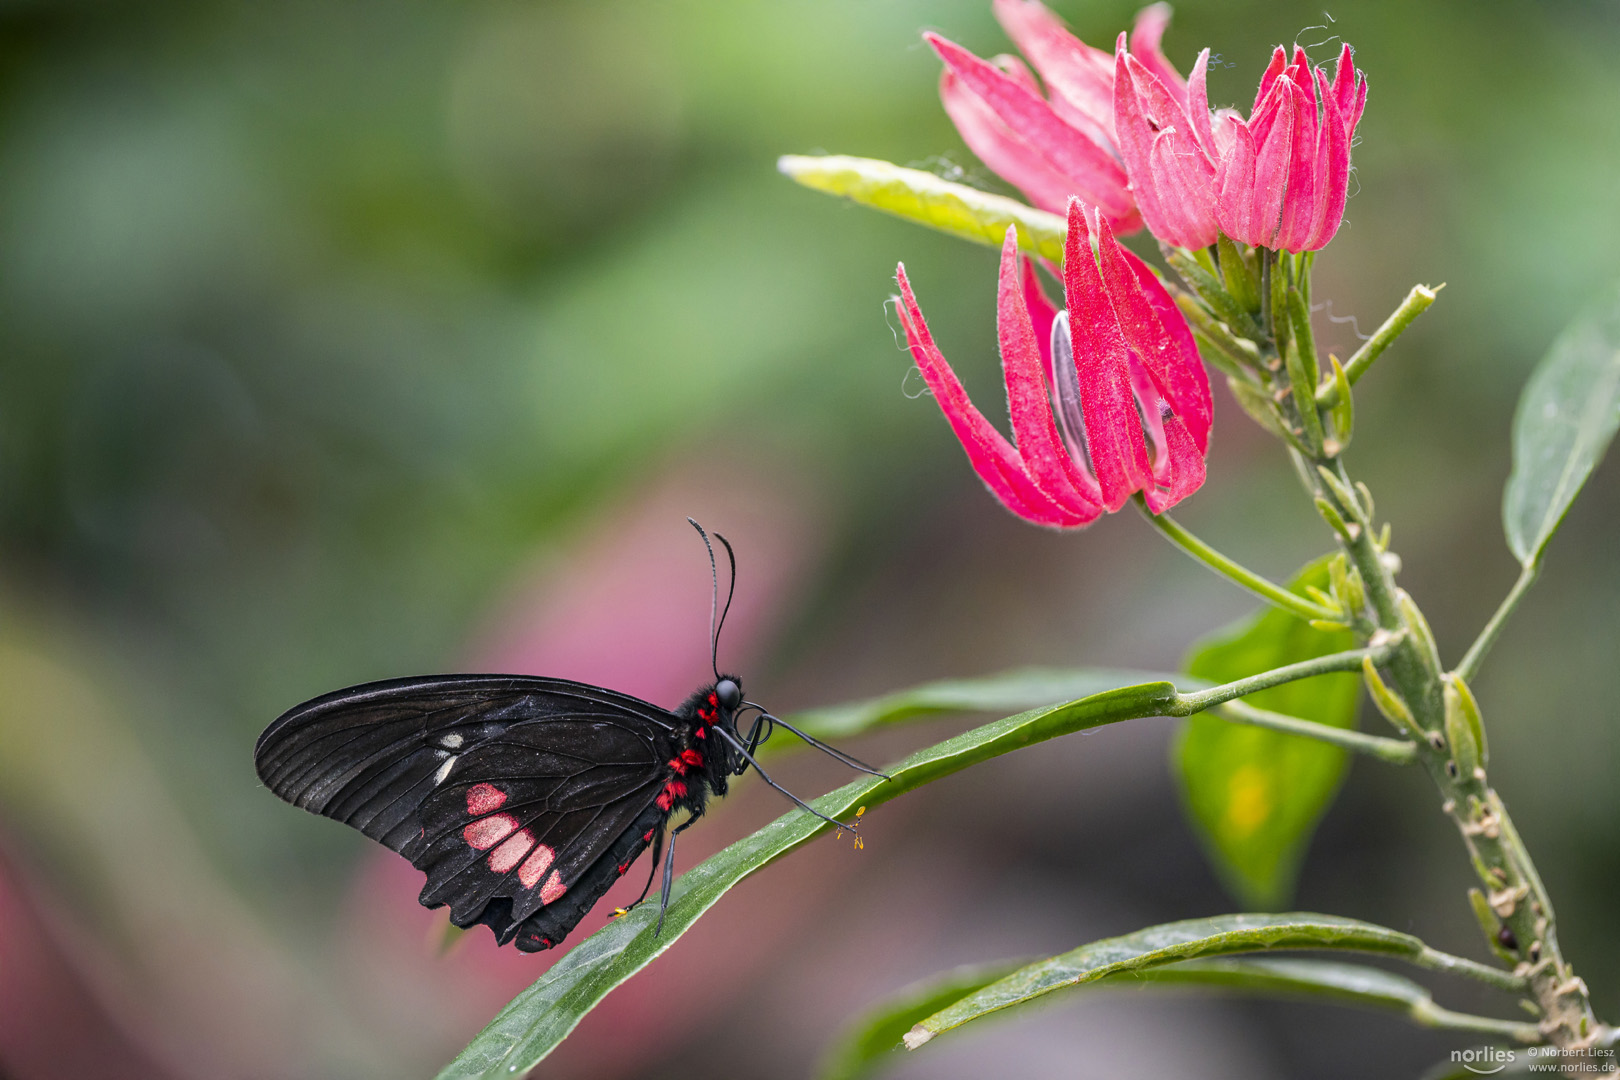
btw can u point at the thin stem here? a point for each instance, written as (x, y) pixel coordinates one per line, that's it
(1187, 704)
(1243, 577)
(1435, 960)
(1487, 637)
(1416, 303)
(1429, 1014)
(1394, 751)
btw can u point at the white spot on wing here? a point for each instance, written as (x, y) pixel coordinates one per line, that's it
(451, 741)
(444, 771)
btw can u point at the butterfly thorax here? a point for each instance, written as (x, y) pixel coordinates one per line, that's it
(701, 760)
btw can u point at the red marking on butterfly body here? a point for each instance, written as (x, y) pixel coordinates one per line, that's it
(484, 798)
(691, 757)
(673, 790)
(536, 865)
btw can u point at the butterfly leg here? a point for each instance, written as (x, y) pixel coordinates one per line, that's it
(652, 871)
(669, 871)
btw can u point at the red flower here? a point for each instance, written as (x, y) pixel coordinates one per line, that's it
(1118, 369)
(1062, 144)
(1286, 174)
(1277, 180)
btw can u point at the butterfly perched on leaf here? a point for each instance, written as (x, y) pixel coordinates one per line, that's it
(522, 798)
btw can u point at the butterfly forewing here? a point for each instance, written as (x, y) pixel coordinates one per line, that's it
(507, 792)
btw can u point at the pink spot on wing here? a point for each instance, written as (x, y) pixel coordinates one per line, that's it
(485, 834)
(536, 865)
(552, 889)
(484, 798)
(511, 852)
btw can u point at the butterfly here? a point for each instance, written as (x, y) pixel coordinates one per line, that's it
(522, 798)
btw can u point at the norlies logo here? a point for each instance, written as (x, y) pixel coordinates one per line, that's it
(1484, 1060)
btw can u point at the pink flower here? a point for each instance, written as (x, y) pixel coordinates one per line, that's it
(1286, 174)
(1062, 144)
(1118, 369)
(1277, 180)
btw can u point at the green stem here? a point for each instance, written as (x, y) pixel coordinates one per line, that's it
(1416, 303)
(1245, 578)
(1187, 704)
(1435, 960)
(1429, 1014)
(1394, 751)
(1487, 637)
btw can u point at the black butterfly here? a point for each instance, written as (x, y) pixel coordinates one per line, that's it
(522, 798)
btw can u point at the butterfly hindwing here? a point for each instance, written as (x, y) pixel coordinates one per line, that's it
(505, 790)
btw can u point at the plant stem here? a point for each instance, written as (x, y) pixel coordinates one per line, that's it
(1394, 751)
(1245, 578)
(1416, 303)
(1429, 1014)
(1513, 888)
(1350, 660)
(1487, 637)
(1435, 960)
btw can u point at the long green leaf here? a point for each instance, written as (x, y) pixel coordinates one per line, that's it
(1566, 418)
(533, 1023)
(923, 197)
(1024, 688)
(869, 1045)
(866, 1046)
(1168, 944)
(1255, 795)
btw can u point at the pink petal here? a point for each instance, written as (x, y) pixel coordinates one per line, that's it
(1186, 467)
(1279, 61)
(1198, 105)
(1151, 23)
(991, 455)
(1079, 77)
(1171, 175)
(1042, 313)
(1236, 184)
(993, 143)
(1272, 159)
(1300, 207)
(1113, 427)
(1332, 171)
(1087, 165)
(1157, 333)
(1028, 402)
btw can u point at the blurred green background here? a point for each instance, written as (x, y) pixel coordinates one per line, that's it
(319, 322)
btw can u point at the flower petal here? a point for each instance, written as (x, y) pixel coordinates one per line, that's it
(1028, 402)
(1079, 78)
(1186, 467)
(1171, 175)
(1157, 334)
(1332, 171)
(995, 144)
(1101, 361)
(1090, 168)
(1146, 35)
(988, 451)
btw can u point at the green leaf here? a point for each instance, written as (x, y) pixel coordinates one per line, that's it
(866, 1046)
(1566, 418)
(533, 1023)
(1170, 943)
(1255, 795)
(1024, 688)
(923, 197)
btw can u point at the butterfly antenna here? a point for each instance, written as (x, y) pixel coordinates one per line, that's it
(720, 731)
(731, 591)
(714, 600)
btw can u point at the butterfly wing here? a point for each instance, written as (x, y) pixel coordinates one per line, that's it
(505, 790)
